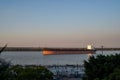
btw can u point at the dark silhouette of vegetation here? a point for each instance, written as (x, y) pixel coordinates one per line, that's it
(114, 76)
(3, 66)
(102, 67)
(3, 48)
(4, 69)
(18, 72)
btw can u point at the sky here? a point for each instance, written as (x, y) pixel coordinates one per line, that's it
(60, 23)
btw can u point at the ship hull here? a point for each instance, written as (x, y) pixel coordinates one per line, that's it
(55, 52)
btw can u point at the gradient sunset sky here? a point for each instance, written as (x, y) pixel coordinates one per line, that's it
(60, 23)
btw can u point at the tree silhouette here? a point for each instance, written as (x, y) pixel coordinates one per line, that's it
(97, 68)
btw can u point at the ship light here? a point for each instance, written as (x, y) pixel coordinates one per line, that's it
(89, 47)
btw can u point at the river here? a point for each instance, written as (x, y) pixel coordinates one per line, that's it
(37, 58)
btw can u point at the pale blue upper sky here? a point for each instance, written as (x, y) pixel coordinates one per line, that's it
(60, 23)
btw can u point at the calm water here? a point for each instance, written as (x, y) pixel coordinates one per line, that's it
(38, 58)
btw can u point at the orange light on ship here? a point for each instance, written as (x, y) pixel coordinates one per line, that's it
(47, 52)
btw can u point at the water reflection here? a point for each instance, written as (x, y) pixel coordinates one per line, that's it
(89, 55)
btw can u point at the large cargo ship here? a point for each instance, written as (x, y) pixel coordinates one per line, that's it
(53, 51)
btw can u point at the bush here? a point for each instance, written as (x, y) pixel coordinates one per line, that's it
(114, 76)
(30, 73)
(4, 69)
(19, 72)
(97, 68)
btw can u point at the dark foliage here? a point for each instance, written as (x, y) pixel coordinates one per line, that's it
(3, 48)
(30, 73)
(114, 76)
(4, 69)
(99, 67)
(19, 72)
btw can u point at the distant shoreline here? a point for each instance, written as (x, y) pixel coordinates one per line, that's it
(40, 49)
